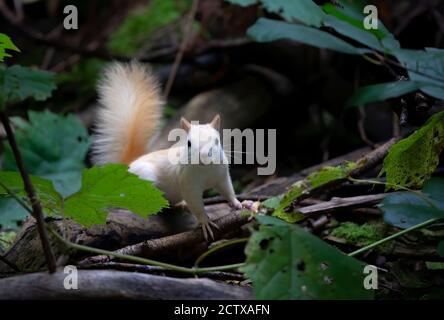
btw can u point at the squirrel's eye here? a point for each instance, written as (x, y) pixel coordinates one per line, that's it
(217, 141)
(189, 144)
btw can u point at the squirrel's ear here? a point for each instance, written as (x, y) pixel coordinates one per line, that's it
(185, 124)
(215, 123)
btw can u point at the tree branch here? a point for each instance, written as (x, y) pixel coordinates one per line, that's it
(155, 247)
(109, 284)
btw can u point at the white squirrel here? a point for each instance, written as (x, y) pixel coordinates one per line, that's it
(128, 119)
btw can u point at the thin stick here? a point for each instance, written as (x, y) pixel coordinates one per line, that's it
(394, 236)
(218, 247)
(220, 275)
(181, 52)
(29, 188)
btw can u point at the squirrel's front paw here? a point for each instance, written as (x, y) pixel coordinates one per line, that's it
(235, 204)
(207, 226)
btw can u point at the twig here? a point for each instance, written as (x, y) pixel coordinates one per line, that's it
(396, 186)
(29, 188)
(342, 203)
(218, 247)
(394, 236)
(183, 47)
(219, 275)
(361, 127)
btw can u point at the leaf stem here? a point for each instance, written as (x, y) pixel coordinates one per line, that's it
(30, 191)
(216, 248)
(144, 260)
(416, 192)
(394, 236)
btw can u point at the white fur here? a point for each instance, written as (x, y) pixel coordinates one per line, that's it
(125, 90)
(130, 112)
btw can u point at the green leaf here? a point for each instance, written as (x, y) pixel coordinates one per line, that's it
(140, 25)
(329, 173)
(313, 181)
(425, 66)
(11, 213)
(305, 11)
(296, 190)
(348, 21)
(433, 91)
(406, 209)
(382, 91)
(272, 203)
(242, 3)
(412, 160)
(112, 186)
(266, 30)
(286, 262)
(352, 32)
(53, 147)
(6, 44)
(19, 83)
(6, 240)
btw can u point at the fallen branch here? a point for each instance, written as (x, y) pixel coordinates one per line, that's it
(342, 203)
(107, 284)
(154, 247)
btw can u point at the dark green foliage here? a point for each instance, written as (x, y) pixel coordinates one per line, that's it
(360, 235)
(102, 188)
(412, 160)
(406, 209)
(112, 186)
(140, 25)
(425, 67)
(18, 83)
(315, 180)
(286, 262)
(53, 147)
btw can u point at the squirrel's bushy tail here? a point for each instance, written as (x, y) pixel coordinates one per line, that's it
(130, 112)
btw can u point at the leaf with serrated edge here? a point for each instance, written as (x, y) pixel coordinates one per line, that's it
(6, 44)
(45, 191)
(112, 186)
(52, 147)
(21, 83)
